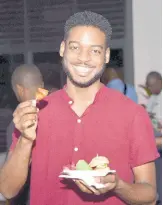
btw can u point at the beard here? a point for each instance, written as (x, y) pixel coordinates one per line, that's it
(90, 82)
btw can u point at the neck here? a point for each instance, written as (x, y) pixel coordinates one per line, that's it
(83, 94)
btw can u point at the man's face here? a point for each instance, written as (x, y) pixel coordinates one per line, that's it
(84, 55)
(154, 85)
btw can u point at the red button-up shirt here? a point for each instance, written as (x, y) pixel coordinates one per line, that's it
(113, 126)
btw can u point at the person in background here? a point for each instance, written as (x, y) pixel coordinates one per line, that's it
(25, 80)
(154, 108)
(154, 105)
(113, 80)
(80, 120)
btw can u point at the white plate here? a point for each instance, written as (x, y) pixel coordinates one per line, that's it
(93, 173)
(86, 176)
(88, 181)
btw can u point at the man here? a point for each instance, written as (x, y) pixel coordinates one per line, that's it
(154, 105)
(113, 80)
(25, 80)
(154, 108)
(79, 121)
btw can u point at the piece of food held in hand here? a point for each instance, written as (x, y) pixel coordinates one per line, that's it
(41, 93)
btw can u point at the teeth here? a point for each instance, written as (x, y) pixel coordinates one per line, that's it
(82, 69)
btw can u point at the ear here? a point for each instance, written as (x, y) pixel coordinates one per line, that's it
(19, 89)
(42, 85)
(62, 49)
(107, 55)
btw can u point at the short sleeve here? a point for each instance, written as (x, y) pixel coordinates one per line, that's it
(131, 93)
(142, 141)
(15, 137)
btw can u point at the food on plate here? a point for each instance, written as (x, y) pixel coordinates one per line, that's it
(41, 93)
(82, 165)
(99, 162)
(85, 172)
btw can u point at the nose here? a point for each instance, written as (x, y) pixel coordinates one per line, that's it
(84, 56)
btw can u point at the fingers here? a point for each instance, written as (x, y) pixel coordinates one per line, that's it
(25, 104)
(25, 118)
(22, 111)
(90, 188)
(108, 181)
(28, 124)
(110, 178)
(29, 130)
(82, 187)
(108, 187)
(87, 189)
(24, 114)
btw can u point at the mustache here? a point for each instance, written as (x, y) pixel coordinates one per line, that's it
(79, 63)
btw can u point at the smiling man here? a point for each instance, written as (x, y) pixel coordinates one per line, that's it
(79, 121)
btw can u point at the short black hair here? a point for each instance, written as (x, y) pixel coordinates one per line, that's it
(154, 74)
(89, 18)
(27, 76)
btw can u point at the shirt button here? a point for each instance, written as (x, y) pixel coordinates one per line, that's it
(75, 149)
(70, 102)
(79, 120)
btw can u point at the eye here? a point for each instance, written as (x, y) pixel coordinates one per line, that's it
(74, 47)
(96, 51)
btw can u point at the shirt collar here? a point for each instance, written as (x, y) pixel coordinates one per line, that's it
(99, 96)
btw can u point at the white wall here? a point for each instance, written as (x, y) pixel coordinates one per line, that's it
(146, 36)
